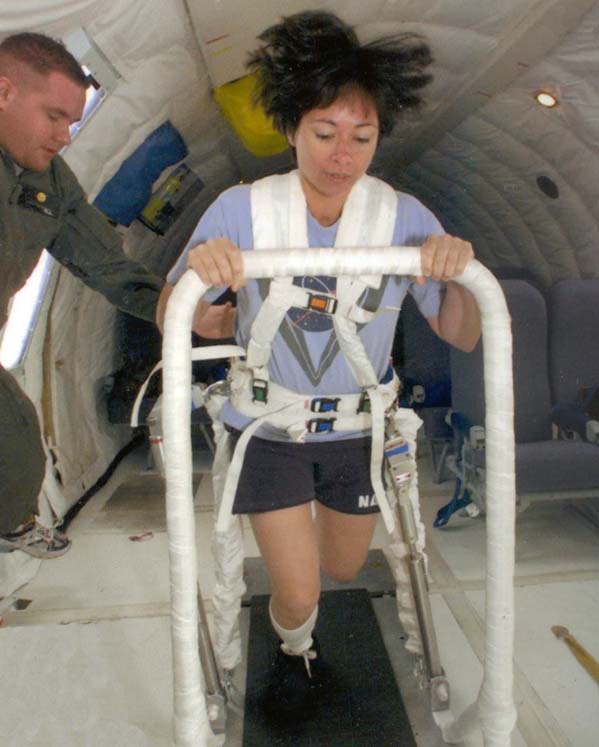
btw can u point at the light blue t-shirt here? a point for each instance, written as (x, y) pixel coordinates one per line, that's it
(305, 354)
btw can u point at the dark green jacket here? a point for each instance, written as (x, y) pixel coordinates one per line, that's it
(49, 210)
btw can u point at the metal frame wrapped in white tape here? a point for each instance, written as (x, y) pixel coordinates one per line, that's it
(494, 708)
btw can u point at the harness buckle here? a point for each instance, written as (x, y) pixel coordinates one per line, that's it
(364, 403)
(320, 425)
(324, 404)
(323, 304)
(259, 390)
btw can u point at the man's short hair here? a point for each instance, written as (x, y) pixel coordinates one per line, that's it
(41, 54)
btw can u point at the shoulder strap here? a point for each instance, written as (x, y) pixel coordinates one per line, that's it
(279, 220)
(368, 219)
(272, 226)
(279, 212)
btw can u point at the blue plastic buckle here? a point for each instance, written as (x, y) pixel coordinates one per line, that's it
(320, 425)
(324, 404)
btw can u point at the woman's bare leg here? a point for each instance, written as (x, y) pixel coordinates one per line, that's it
(289, 548)
(294, 547)
(343, 541)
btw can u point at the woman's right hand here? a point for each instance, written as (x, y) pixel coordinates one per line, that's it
(218, 262)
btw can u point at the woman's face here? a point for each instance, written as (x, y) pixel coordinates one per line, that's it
(335, 145)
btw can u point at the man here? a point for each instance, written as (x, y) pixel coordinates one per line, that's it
(42, 205)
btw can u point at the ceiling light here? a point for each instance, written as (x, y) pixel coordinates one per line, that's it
(544, 98)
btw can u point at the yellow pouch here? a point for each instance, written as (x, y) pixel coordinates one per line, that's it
(252, 126)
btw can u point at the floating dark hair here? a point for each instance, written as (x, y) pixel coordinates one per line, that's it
(42, 54)
(310, 58)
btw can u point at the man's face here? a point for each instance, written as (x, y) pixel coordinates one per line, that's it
(36, 112)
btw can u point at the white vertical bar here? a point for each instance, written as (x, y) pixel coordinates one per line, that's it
(495, 706)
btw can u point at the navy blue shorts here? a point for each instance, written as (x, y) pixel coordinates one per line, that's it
(279, 475)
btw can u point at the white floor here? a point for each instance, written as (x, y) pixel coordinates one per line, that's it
(85, 645)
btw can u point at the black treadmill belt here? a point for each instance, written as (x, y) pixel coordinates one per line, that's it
(358, 702)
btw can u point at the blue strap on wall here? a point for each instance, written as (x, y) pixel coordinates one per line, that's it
(126, 194)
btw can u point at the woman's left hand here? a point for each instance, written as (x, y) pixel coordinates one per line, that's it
(444, 257)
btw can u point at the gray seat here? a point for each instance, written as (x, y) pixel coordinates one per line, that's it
(574, 366)
(545, 467)
(422, 362)
(573, 335)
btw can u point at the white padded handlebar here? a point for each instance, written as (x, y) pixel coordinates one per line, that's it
(494, 709)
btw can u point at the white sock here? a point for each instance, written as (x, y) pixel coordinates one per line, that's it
(299, 640)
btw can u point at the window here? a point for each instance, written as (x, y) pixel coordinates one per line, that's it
(24, 311)
(94, 96)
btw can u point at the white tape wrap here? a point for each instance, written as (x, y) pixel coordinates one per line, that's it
(495, 708)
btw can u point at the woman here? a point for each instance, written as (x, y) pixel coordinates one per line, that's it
(333, 98)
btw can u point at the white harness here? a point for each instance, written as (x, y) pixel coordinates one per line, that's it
(279, 219)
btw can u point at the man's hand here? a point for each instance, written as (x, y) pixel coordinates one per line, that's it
(210, 322)
(214, 322)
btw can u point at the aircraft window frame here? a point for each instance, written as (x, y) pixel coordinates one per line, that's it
(94, 98)
(24, 312)
(103, 77)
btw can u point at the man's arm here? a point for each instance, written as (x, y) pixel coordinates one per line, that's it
(91, 249)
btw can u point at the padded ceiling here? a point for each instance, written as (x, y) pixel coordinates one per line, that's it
(481, 177)
(478, 152)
